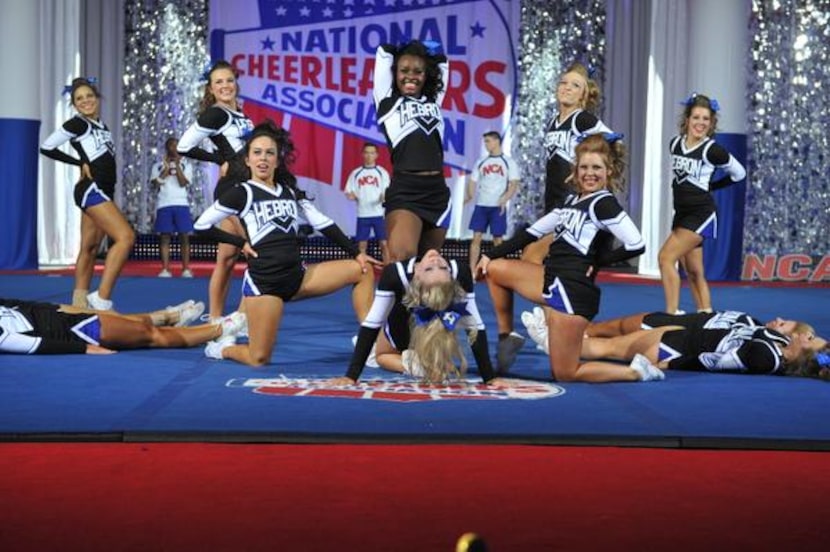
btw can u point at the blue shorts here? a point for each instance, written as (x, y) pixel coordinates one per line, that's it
(174, 219)
(493, 217)
(367, 225)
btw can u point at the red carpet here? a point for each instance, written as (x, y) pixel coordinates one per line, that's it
(369, 497)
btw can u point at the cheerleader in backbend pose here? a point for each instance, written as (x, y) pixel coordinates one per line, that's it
(439, 295)
(93, 194)
(269, 205)
(695, 156)
(221, 120)
(408, 90)
(583, 230)
(739, 349)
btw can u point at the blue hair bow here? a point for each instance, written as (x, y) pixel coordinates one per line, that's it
(68, 88)
(206, 72)
(823, 359)
(609, 137)
(713, 103)
(433, 47)
(449, 317)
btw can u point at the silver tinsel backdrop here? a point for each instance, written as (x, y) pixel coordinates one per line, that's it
(165, 58)
(788, 192)
(554, 34)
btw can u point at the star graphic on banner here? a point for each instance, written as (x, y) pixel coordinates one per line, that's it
(477, 29)
(390, 3)
(305, 12)
(281, 11)
(328, 12)
(348, 12)
(267, 44)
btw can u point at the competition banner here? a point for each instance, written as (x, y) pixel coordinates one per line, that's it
(308, 65)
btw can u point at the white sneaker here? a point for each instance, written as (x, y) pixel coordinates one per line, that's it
(645, 369)
(165, 273)
(97, 303)
(539, 315)
(232, 324)
(189, 311)
(185, 273)
(538, 333)
(213, 349)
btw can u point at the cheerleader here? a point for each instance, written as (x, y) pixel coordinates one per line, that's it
(694, 158)
(94, 193)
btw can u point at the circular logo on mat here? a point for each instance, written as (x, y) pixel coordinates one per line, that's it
(396, 389)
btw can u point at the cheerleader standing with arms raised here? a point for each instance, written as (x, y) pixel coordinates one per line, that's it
(221, 120)
(93, 194)
(695, 156)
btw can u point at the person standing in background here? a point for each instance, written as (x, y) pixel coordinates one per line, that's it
(171, 177)
(493, 181)
(367, 186)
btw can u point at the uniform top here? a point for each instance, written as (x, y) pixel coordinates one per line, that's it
(560, 147)
(21, 325)
(413, 127)
(395, 281)
(171, 192)
(271, 218)
(583, 233)
(227, 130)
(368, 184)
(718, 320)
(93, 142)
(692, 168)
(492, 174)
(739, 349)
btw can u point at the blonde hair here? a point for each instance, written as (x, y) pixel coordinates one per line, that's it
(612, 153)
(808, 365)
(436, 347)
(593, 95)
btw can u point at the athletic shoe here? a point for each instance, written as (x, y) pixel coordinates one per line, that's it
(645, 369)
(679, 312)
(232, 324)
(538, 333)
(213, 349)
(165, 273)
(506, 351)
(412, 364)
(372, 361)
(97, 303)
(189, 312)
(186, 273)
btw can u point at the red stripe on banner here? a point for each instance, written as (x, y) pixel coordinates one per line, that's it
(258, 113)
(315, 149)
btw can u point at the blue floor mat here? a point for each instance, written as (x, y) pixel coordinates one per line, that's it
(181, 395)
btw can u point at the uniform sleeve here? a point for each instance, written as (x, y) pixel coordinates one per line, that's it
(588, 123)
(70, 129)
(611, 215)
(207, 125)
(327, 227)
(519, 240)
(444, 66)
(384, 80)
(230, 204)
(722, 159)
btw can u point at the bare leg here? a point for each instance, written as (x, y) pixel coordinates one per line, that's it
(91, 237)
(327, 277)
(623, 347)
(403, 230)
(121, 332)
(475, 251)
(616, 326)
(507, 275)
(679, 242)
(387, 356)
(384, 251)
(537, 251)
(693, 264)
(164, 251)
(108, 218)
(220, 278)
(265, 314)
(185, 241)
(431, 239)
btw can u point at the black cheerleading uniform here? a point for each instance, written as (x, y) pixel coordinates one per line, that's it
(560, 145)
(692, 170)
(414, 131)
(93, 142)
(227, 130)
(718, 320)
(389, 313)
(583, 229)
(271, 217)
(33, 328)
(741, 349)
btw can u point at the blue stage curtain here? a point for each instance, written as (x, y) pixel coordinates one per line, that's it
(723, 257)
(18, 193)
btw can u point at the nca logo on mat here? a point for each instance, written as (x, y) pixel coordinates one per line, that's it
(397, 389)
